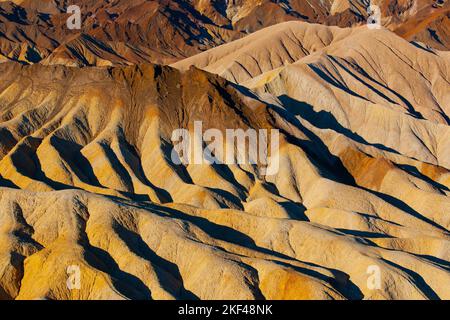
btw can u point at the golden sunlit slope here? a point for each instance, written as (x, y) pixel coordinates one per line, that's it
(87, 178)
(370, 90)
(266, 50)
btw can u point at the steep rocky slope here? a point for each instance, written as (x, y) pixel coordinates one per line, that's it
(124, 32)
(364, 181)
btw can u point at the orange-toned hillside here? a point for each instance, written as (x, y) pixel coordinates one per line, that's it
(87, 178)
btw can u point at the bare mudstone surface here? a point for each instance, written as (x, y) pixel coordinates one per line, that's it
(123, 32)
(87, 183)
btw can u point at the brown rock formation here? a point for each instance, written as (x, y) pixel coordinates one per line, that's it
(165, 31)
(87, 180)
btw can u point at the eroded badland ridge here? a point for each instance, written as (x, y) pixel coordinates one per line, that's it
(87, 178)
(125, 32)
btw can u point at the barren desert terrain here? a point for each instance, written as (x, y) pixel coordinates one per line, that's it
(87, 177)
